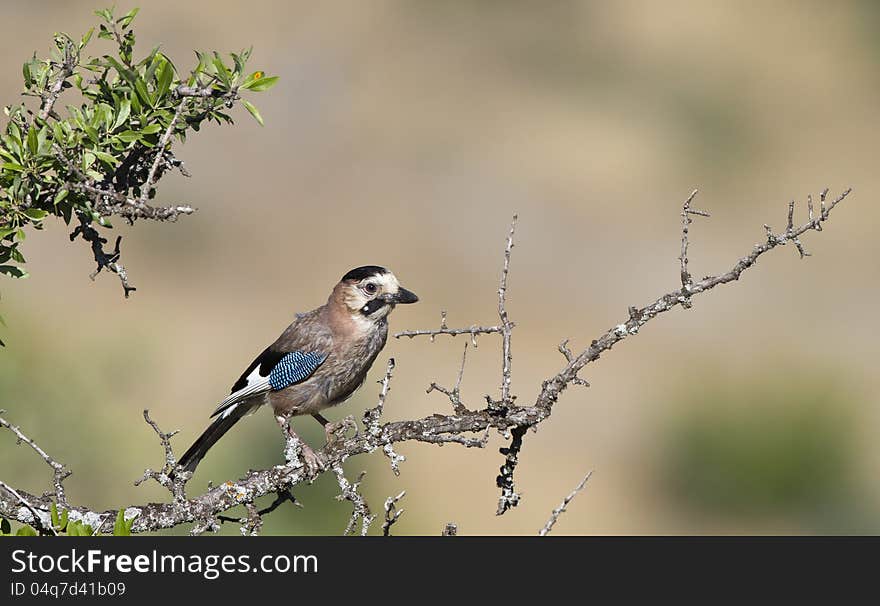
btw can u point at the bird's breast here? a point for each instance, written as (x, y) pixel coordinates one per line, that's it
(344, 370)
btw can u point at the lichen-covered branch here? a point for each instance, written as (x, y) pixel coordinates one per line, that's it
(392, 513)
(469, 426)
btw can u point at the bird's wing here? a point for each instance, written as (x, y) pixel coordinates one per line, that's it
(272, 371)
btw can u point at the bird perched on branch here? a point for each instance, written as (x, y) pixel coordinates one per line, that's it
(318, 361)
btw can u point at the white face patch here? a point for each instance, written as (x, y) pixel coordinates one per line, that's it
(358, 297)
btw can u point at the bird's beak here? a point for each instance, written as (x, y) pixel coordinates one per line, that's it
(405, 296)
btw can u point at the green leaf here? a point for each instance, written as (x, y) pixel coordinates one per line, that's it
(64, 520)
(127, 19)
(124, 112)
(62, 193)
(253, 111)
(222, 72)
(12, 166)
(151, 129)
(123, 71)
(165, 74)
(13, 271)
(105, 157)
(53, 512)
(122, 115)
(261, 84)
(129, 135)
(92, 134)
(106, 14)
(5, 526)
(121, 528)
(103, 116)
(141, 87)
(86, 38)
(26, 531)
(36, 214)
(33, 145)
(26, 72)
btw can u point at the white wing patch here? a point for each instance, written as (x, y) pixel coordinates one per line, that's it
(257, 385)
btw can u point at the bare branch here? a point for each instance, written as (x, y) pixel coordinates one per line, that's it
(65, 71)
(110, 203)
(569, 356)
(372, 416)
(638, 317)
(59, 470)
(165, 477)
(350, 492)
(473, 331)
(463, 427)
(453, 394)
(686, 220)
(102, 258)
(561, 509)
(35, 519)
(391, 513)
(506, 325)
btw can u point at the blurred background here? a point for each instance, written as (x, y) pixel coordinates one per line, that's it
(406, 134)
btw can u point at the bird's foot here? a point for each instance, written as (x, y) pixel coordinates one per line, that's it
(312, 460)
(296, 449)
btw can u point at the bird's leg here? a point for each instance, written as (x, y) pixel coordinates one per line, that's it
(310, 458)
(331, 429)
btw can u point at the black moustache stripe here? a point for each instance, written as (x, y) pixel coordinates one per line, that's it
(372, 307)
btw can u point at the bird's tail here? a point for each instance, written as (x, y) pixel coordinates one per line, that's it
(191, 458)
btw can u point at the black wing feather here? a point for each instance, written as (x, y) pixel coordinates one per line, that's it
(266, 361)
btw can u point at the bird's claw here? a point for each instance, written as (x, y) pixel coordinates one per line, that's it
(312, 460)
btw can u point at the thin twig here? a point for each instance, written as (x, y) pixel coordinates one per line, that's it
(160, 152)
(65, 70)
(506, 325)
(372, 416)
(561, 509)
(453, 332)
(166, 476)
(391, 513)
(638, 317)
(453, 394)
(686, 220)
(59, 470)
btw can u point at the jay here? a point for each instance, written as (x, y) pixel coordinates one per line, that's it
(320, 360)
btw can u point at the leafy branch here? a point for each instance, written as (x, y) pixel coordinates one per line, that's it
(103, 157)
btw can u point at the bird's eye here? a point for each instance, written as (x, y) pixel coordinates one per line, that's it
(371, 288)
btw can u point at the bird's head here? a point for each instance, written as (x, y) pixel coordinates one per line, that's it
(371, 292)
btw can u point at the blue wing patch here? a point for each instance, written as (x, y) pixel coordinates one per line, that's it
(293, 368)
